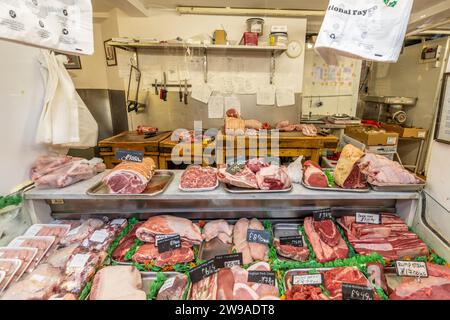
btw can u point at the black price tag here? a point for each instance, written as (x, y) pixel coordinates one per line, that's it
(228, 260)
(129, 155)
(295, 241)
(169, 243)
(356, 292)
(263, 277)
(307, 279)
(368, 218)
(417, 269)
(202, 271)
(258, 236)
(322, 214)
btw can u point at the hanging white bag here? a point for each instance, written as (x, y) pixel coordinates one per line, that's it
(369, 29)
(87, 127)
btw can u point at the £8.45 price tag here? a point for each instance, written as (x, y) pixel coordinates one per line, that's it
(411, 269)
(258, 236)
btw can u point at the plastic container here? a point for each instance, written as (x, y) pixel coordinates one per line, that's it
(278, 39)
(255, 25)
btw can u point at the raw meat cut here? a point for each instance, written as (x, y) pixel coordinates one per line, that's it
(225, 284)
(256, 164)
(117, 283)
(348, 174)
(26, 255)
(218, 228)
(295, 170)
(313, 175)
(242, 291)
(8, 268)
(100, 239)
(46, 163)
(80, 268)
(149, 252)
(59, 258)
(146, 129)
(70, 173)
(334, 278)
(130, 177)
(63, 296)
(198, 177)
(308, 130)
(273, 178)
(300, 292)
(43, 244)
(435, 287)
(82, 232)
(250, 251)
(125, 244)
(382, 171)
(291, 252)
(391, 238)
(242, 177)
(173, 288)
(165, 224)
(205, 289)
(325, 239)
(38, 285)
(56, 230)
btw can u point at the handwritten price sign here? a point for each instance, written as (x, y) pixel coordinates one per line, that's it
(411, 269)
(258, 236)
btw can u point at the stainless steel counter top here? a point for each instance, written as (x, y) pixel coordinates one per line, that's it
(78, 192)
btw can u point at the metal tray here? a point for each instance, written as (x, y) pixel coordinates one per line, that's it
(339, 189)
(215, 247)
(158, 184)
(286, 230)
(199, 189)
(149, 277)
(401, 187)
(233, 189)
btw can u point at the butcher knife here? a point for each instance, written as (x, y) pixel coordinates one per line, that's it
(185, 92)
(156, 87)
(180, 94)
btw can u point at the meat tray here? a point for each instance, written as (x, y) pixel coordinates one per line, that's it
(286, 230)
(336, 188)
(233, 189)
(215, 247)
(158, 184)
(401, 187)
(198, 189)
(149, 277)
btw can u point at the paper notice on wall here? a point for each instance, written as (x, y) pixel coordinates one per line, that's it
(201, 92)
(232, 102)
(285, 97)
(265, 96)
(215, 107)
(60, 25)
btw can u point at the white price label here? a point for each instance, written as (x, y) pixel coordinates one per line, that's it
(99, 236)
(74, 231)
(411, 269)
(308, 279)
(79, 260)
(368, 218)
(421, 134)
(167, 284)
(118, 221)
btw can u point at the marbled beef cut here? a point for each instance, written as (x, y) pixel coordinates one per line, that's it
(198, 177)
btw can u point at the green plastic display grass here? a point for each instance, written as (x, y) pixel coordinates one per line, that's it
(12, 200)
(133, 249)
(85, 292)
(131, 223)
(156, 285)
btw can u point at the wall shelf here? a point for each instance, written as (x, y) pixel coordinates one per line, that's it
(135, 46)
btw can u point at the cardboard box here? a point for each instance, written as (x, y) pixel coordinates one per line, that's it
(405, 132)
(372, 136)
